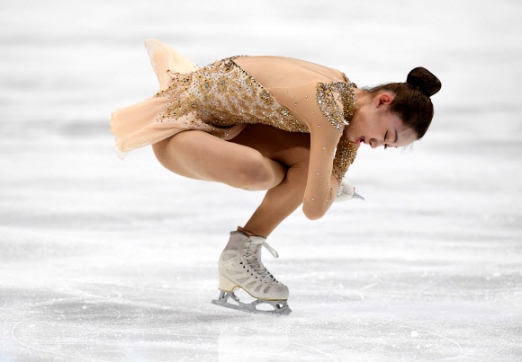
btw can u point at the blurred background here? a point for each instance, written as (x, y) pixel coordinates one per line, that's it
(100, 258)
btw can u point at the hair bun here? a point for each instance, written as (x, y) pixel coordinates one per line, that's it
(423, 80)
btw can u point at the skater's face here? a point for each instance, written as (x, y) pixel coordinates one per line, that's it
(374, 125)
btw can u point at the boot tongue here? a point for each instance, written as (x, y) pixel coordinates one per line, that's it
(258, 240)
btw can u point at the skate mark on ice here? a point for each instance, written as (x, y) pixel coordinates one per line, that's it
(88, 298)
(134, 287)
(143, 289)
(126, 300)
(369, 286)
(425, 286)
(41, 351)
(117, 312)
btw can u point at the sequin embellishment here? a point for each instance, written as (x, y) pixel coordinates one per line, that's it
(344, 157)
(221, 95)
(328, 106)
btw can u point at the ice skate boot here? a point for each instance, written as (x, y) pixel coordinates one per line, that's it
(240, 266)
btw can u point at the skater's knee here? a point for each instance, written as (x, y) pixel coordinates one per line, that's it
(256, 173)
(171, 152)
(168, 158)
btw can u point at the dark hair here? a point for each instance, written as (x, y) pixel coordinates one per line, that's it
(412, 101)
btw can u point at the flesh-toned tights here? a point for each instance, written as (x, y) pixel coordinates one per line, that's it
(259, 158)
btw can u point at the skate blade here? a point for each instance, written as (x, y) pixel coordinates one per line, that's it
(357, 196)
(280, 307)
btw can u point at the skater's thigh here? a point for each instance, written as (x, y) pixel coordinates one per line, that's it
(202, 156)
(291, 149)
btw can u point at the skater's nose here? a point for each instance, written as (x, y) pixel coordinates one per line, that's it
(374, 142)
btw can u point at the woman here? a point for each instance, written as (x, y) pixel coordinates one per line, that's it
(268, 123)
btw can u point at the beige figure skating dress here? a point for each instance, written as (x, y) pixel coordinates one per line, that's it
(222, 98)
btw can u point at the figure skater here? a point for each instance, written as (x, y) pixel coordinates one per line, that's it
(279, 124)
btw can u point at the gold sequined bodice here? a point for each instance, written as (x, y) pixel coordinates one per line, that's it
(223, 95)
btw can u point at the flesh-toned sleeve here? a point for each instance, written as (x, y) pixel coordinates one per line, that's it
(330, 156)
(321, 185)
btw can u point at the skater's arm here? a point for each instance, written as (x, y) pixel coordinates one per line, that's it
(322, 185)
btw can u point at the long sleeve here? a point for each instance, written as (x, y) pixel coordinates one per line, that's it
(321, 185)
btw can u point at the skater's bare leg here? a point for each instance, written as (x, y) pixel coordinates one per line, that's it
(242, 251)
(290, 149)
(201, 156)
(278, 203)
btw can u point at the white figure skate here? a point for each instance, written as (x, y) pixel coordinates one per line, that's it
(240, 266)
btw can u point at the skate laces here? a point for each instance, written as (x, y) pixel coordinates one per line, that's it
(260, 241)
(251, 256)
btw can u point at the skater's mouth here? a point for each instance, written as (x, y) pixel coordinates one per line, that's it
(359, 141)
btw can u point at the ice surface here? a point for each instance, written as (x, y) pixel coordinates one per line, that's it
(109, 260)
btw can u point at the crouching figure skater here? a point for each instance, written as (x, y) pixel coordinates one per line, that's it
(283, 125)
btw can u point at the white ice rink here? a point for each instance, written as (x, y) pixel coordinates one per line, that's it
(110, 260)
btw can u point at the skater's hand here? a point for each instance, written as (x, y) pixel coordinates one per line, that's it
(347, 192)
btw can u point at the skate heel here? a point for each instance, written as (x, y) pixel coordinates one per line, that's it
(226, 284)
